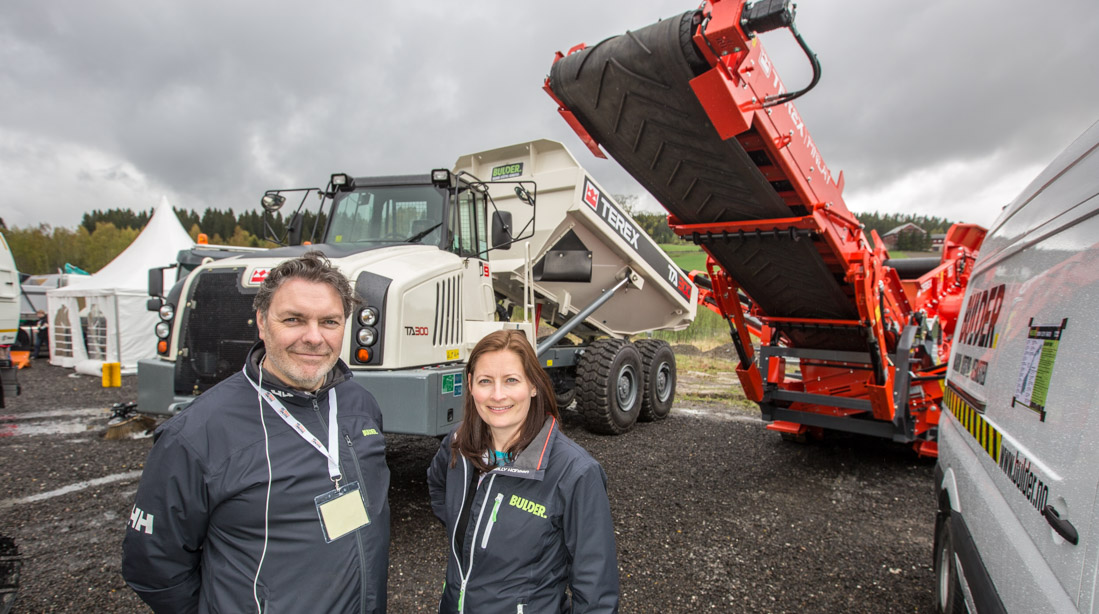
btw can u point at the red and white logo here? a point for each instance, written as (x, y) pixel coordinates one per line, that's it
(484, 270)
(258, 275)
(591, 196)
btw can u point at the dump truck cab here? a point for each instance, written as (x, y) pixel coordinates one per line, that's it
(420, 241)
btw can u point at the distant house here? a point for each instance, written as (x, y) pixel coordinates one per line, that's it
(894, 237)
(937, 242)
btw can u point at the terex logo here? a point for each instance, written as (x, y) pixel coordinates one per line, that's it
(591, 196)
(140, 521)
(981, 315)
(616, 220)
(415, 331)
(258, 275)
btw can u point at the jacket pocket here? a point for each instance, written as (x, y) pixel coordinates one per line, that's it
(492, 520)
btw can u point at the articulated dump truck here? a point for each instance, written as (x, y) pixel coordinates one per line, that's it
(846, 338)
(439, 261)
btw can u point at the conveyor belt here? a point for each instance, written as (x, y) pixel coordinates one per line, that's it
(632, 94)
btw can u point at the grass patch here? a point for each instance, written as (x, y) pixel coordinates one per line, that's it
(686, 256)
(703, 364)
(708, 331)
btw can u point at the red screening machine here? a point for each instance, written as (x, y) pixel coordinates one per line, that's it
(848, 339)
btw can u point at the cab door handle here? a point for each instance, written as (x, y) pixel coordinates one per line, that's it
(1063, 527)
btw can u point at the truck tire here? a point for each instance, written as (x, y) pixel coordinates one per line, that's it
(609, 386)
(564, 380)
(658, 366)
(948, 589)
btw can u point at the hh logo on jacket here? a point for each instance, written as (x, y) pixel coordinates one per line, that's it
(140, 521)
(528, 506)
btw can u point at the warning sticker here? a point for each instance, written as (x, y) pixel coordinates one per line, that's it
(1036, 369)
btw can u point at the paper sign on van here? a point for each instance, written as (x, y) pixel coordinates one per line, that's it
(1039, 354)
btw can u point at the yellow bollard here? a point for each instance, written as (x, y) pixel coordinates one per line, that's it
(112, 375)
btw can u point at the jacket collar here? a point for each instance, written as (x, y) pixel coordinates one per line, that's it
(531, 462)
(339, 373)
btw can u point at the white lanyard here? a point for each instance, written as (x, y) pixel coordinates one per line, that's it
(333, 451)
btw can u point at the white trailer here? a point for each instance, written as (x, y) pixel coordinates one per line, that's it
(9, 320)
(440, 260)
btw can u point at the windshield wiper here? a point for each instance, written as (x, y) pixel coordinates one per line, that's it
(420, 235)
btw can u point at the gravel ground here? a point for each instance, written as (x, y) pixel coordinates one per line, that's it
(712, 512)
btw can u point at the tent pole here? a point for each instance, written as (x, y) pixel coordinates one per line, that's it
(117, 332)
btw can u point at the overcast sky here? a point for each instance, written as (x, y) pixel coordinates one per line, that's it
(941, 108)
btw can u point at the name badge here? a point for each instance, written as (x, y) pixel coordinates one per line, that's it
(341, 511)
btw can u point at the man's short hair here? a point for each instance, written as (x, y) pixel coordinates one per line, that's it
(313, 266)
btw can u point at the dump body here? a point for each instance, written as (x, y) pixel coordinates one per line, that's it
(582, 243)
(694, 109)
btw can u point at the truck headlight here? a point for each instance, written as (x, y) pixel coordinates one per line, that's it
(167, 311)
(367, 336)
(163, 330)
(368, 316)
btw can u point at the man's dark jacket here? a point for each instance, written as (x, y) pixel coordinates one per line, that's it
(196, 532)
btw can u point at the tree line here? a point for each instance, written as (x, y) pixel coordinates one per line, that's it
(103, 234)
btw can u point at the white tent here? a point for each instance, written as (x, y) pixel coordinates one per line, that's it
(102, 318)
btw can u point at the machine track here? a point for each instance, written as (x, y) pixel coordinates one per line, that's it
(632, 94)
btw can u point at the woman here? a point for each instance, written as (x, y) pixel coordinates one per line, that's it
(525, 508)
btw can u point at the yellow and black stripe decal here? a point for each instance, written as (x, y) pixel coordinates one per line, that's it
(974, 422)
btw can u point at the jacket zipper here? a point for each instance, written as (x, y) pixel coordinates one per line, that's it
(358, 534)
(492, 520)
(476, 527)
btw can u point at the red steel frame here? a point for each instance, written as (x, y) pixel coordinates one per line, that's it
(733, 94)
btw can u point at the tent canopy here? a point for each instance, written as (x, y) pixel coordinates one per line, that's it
(102, 317)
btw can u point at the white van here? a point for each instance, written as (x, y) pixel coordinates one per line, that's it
(1018, 470)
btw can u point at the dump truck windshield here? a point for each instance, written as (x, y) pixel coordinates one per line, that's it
(389, 214)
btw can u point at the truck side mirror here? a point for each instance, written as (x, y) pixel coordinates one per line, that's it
(156, 282)
(293, 229)
(501, 229)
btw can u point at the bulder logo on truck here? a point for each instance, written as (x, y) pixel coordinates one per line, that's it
(508, 171)
(624, 227)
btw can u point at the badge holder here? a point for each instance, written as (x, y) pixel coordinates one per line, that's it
(341, 511)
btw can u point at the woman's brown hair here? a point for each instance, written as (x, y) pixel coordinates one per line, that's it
(472, 438)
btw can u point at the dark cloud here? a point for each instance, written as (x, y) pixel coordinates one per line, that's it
(212, 103)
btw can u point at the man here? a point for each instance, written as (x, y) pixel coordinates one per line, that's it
(42, 333)
(268, 493)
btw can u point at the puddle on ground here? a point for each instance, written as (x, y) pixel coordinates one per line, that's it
(716, 414)
(65, 422)
(56, 413)
(43, 428)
